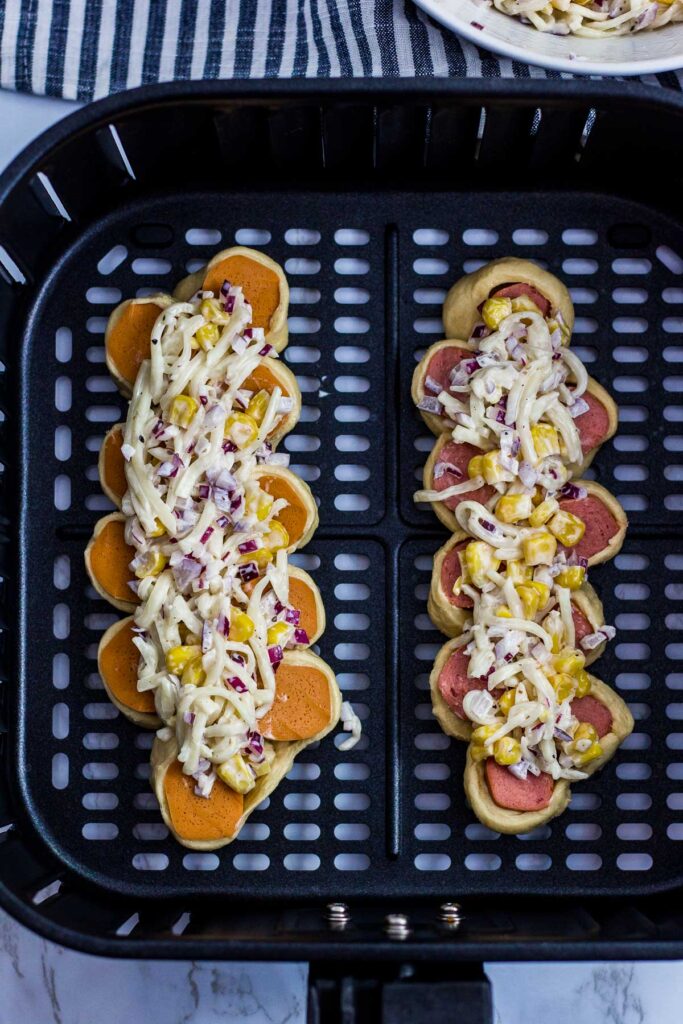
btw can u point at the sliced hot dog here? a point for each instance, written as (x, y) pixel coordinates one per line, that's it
(451, 570)
(594, 424)
(304, 597)
(530, 794)
(582, 626)
(197, 818)
(458, 455)
(127, 339)
(442, 362)
(300, 515)
(111, 465)
(107, 560)
(117, 661)
(514, 291)
(601, 525)
(590, 709)
(260, 284)
(454, 682)
(302, 707)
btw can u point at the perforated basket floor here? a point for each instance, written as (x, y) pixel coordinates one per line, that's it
(368, 274)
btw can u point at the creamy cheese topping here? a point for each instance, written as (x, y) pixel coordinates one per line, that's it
(594, 18)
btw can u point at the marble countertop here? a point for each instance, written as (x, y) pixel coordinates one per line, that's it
(46, 984)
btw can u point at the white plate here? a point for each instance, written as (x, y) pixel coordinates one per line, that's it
(639, 53)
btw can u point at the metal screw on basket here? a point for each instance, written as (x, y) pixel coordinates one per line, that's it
(338, 916)
(396, 926)
(450, 916)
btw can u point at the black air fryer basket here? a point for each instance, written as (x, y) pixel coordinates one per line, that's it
(374, 198)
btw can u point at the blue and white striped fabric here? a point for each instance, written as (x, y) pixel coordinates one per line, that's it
(84, 49)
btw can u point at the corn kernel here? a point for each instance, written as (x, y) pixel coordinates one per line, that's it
(475, 467)
(507, 750)
(582, 757)
(258, 405)
(546, 440)
(262, 556)
(518, 572)
(277, 538)
(529, 598)
(564, 685)
(583, 683)
(539, 548)
(151, 564)
(585, 733)
(207, 336)
(572, 577)
(513, 508)
(158, 530)
(236, 774)
(503, 612)
(524, 304)
(178, 658)
(543, 591)
(483, 733)
(494, 311)
(241, 429)
(569, 660)
(183, 410)
(193, 673)
(492, 470)
(263, 767)
(568, 528)
(537, 497)
(542, 513)
(211, 309)
(507, 701)
(480, 559)
(241, 627)
(277, 632)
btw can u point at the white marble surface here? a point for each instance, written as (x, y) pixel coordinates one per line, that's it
(41, 983)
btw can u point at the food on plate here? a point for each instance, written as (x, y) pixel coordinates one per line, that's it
(262, 281)
(594, 19)
(477, 302)
(510, 585)
(215, 653)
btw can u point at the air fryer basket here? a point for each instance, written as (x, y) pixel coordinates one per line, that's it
(374, 198)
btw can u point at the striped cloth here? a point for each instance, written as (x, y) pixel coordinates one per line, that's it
(84, 49)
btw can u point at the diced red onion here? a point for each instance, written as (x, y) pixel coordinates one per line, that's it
(301, 636)
(527, 474)
(432, 385)
(205, 536)
(134, 584)
(442, 468)
(186, 571)
(277, 459)
(222, 522)
(560, 734)
(214, 417)
(188, 718)
(228, 446)
(237, 658)
(487, 525)
(429, 404)
(275, 654)
(255, 743)
(480, 331)
(519, 770)
(248, 572)
(285, 405)
(278, 607)
(292, 616)
(236, 683)
(578, 408)
(207, 638)
(572, 491)
(247, 546)
(240, 345)
(592, 640)
(267, 350)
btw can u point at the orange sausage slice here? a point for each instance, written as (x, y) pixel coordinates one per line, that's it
(300, 515)
(128, 335)
(260, 284)
(111, 465)
(303, 703)
(303, 597)
(197, 818)
(117, 661)
(107, 558)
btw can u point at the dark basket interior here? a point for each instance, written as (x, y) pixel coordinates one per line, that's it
(374, 202)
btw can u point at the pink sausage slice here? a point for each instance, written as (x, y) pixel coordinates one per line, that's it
(514, 291)
(530, 794)
(590, 709)
(443, 361)
(582, 626)
(601, 525)
(592, 425)
(454, 682)
(451, 569)
(459, 455)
